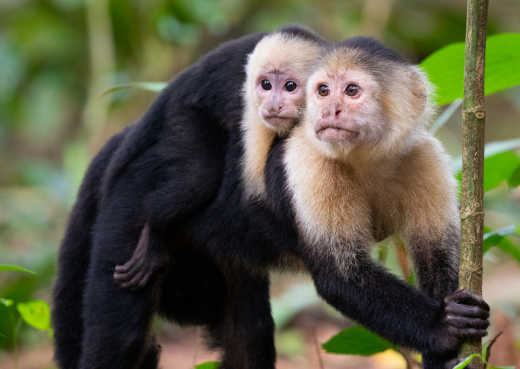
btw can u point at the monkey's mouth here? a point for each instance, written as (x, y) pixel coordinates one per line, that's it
(334, 133)
(279, 120)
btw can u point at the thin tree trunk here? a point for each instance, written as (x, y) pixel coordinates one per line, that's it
(473, 128)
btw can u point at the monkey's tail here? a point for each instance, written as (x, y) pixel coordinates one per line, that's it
(73, 262)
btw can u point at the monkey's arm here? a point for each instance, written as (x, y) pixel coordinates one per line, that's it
(389, 307)
(436, 266)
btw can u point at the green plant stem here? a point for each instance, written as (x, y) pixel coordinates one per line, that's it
(473, 129)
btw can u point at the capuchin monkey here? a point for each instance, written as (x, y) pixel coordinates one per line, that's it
(159, 176)
(361, 167)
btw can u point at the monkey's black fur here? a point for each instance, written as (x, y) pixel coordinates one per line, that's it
(162, 171)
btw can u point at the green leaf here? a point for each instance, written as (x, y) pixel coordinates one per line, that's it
(498, 238)
(445, 67)
(208, 365)
(147, 86)
(514, 180)
(36, 314)
(357, 340)
(466, 361)
(499, 168)
(5, 267)
(6, 302)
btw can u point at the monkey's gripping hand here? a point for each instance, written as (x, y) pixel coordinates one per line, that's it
(465, 316)
(146, 263)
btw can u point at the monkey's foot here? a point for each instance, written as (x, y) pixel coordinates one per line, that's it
(136, 272)
(144, 264)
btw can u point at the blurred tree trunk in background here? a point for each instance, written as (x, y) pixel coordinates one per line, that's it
(102, 67)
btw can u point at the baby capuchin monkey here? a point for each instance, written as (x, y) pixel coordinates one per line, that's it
(274, 100)
(360, 167)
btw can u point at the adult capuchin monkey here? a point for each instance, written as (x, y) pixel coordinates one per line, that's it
(360, 167)
(160, 171)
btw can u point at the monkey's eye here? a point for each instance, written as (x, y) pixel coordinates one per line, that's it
(290, 86)
(352, 90)
(266, 85)
(323, 90)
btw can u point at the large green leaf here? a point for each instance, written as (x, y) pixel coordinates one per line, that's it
(357, 340)
(445, 67)
(36, 314)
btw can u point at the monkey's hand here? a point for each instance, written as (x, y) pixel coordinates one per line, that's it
(146, 263)
(465, 316)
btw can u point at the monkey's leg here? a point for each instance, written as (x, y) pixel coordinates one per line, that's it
(365, 292)
(73, 262)
(116, 320)
(247, 330)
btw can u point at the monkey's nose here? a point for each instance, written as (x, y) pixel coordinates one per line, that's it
(338, 112)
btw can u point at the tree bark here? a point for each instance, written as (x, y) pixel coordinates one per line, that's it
(473, 128)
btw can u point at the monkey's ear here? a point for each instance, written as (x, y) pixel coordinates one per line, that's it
(410, 103)
(421, 96)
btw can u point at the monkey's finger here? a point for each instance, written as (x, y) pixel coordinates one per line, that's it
(466, 310)
(467, 298)
(464, 322)
(133, 266)
(126, 267)
(134, 283)
(466, 333)
(124, 278)
(121, 268)
(144, 280)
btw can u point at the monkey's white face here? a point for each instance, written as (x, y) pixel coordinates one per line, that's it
(280, 98)
(343, 109)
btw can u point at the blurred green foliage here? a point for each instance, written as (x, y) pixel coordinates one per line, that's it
(57, 57)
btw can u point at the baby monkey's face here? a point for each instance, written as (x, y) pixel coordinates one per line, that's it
(280, 96)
